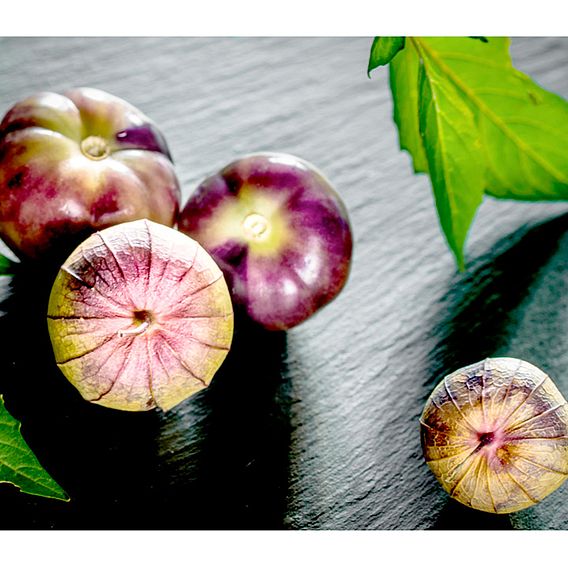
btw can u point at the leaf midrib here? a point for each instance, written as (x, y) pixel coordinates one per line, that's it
(470, 94)
(18, 471)
(42, 485)
(441, 145)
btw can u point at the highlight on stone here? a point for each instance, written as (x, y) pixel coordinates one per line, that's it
(139, 317)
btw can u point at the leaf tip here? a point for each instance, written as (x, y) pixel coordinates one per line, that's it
(21, 467)
(56, 494)
(383, 49)
(64, 497)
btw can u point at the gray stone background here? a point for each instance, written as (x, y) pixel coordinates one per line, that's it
(318, 427)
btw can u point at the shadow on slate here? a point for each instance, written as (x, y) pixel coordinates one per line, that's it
(482, 316)
(221, 459)
(101, 457)
(144, 470)
(224, 453)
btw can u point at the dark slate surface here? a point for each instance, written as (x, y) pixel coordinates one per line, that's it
(316, 428)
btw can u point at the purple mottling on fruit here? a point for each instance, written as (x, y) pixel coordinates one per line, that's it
(279, 232)
(320, 218)
(233, 253)
(231, 180)
(211, 194)
(106, 204)
(231, 256)
(280, 298)
(278, 179)
(145, 137)
(65, 173)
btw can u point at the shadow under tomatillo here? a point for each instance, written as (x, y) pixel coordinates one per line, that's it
(224, 453)
(217, 460)
(100, 457)
(511, 303)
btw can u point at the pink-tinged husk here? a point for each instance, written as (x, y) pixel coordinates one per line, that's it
(495, 435)
(139, 317)
(55, 189)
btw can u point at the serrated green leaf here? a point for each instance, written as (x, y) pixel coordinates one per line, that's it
(523, 128)
(383, 50)
(520, 129)
(455, 158)
(18, 464)
(404, 86)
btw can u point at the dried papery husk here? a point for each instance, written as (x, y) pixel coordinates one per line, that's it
(139, 317)
(495, 434)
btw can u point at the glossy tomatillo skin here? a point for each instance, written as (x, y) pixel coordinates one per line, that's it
(139, 316)
(279, 232)
(74, 163)
(495, 434)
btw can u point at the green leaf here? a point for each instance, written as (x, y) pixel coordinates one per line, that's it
(404, 86)
(18, 464)
(523, 128)
(455, 158)
(383, 50)
(6, 266)
(456, 97)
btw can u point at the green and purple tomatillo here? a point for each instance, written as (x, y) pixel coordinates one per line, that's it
(74, 163)
(139, 317)
(279, 232)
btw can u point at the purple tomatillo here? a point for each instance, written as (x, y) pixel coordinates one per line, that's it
(279, 232)
(75, 163)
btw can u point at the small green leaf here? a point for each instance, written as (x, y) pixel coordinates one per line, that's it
(18, 464)
(404, 86)
(455, 159)
(6, 266)
(383, 50)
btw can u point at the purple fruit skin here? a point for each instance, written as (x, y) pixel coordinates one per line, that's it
(145, 137)
(307, 269)
(53, 194)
